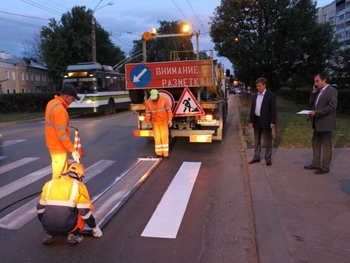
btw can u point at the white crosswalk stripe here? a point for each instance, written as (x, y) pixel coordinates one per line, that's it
(10, 142)
(27, 212)
(16, 164)
(30, 178)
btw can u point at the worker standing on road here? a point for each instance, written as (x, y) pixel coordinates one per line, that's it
(57, 131)
(158, 111)
(65, 207)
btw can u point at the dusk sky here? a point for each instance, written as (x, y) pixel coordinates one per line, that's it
(125, 20)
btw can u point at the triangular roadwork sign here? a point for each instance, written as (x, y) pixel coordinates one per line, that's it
(188, 105)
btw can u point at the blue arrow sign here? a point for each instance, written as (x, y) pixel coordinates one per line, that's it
(140, 76)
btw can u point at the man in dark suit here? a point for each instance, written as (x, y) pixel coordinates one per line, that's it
(324, 101)
(262, 119)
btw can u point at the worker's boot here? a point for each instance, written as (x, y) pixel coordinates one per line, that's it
(74, 239)
(48, 239)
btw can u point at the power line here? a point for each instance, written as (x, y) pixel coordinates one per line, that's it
(41, 7)
(8, 13)
(20, 23)
(53, 5)
(181, 11)
(199, 21)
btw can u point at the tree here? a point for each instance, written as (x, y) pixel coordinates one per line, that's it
(279, 40)
(33, 48)
(341, 70)
(68, 41)
(161, 49)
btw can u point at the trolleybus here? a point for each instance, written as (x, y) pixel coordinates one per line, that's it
(100, 88)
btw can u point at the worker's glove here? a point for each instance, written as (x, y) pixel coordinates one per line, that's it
(97, 232)
(170, 123)
(76, 156)
(149, 125)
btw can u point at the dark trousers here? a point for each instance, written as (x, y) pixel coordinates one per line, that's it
(319, 140)
(258, 133)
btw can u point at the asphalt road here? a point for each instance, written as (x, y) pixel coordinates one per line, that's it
(217, 225)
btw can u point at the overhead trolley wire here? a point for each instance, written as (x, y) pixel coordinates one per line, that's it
(32, 3)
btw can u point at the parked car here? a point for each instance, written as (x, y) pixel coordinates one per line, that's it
(235, 90)
(238, 91)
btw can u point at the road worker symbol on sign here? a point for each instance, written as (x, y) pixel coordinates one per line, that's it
(188, 105)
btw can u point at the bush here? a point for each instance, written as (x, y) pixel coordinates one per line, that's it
(302, 95)
(24, 102)
(298, 96)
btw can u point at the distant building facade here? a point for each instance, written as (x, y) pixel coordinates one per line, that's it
(337, 13)
(18, 76)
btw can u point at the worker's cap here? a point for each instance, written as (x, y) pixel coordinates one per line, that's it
(70, 90)
(154, 94)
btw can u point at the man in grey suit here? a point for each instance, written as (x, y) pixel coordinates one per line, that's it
(324, 100)
(262, 118)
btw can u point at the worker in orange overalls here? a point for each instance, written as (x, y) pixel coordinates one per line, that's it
(57, 130)
(158, 111)
(65, 207)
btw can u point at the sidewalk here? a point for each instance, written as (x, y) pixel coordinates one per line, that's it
(300, 216)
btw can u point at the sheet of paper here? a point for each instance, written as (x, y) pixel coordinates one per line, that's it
(306, 112)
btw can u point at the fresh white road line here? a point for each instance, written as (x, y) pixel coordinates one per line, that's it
(10, 166)
(10, 142)
(19, 217)
(166, 219)
(24, 181)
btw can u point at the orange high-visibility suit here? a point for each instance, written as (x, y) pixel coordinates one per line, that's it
(57, 134)
(159, 113)
(65, 206)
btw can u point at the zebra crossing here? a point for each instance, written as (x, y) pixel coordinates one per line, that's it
(22, 215)
(181, 185)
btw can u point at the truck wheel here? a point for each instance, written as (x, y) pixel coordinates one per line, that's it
(110, 107)
(136, 96)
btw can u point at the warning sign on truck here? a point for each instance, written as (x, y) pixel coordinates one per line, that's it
(188, 105)
(194, 73)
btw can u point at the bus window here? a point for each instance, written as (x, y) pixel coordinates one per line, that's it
(82, 87)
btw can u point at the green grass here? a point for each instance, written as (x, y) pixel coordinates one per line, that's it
(293, 130)
(10, 117)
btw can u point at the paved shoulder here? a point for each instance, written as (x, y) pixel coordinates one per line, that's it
(301, 216)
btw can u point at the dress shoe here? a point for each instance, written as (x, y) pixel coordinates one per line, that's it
(310, 167)
(254, 161)
(322, 171)
(268, 163)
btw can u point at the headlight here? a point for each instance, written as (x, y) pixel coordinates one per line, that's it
(208, 117)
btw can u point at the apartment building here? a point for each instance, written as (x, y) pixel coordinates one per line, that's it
(338, 13)
(19, 76)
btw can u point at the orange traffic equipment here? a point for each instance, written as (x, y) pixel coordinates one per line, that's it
(77, 144)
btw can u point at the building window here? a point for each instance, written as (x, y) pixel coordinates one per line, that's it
(22, 76)
(7, 74)
(13, 75)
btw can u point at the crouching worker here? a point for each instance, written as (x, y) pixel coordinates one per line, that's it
(65, 207)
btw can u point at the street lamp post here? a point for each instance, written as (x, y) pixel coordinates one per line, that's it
(93, 29)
